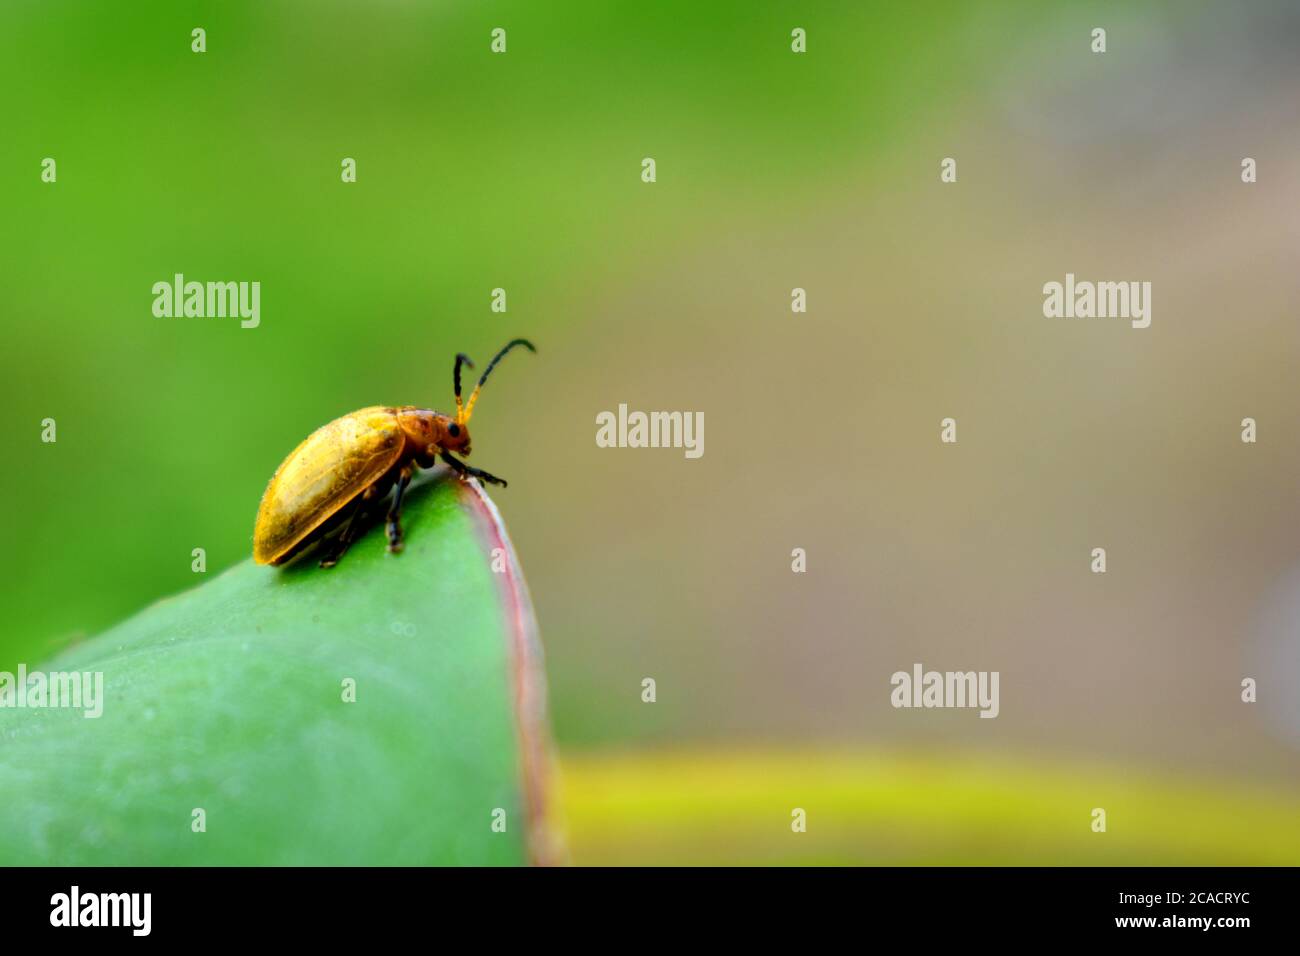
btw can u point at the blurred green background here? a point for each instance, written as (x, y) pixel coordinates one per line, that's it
(775, 170)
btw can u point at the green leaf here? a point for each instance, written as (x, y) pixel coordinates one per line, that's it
(230, 699)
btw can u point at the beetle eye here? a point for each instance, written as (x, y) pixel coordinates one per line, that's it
(454, 429)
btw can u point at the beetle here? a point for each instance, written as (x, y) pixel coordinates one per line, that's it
(351, 463)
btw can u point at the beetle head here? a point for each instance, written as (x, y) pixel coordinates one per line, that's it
(455, 436)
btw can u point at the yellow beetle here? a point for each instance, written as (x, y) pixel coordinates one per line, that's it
(342, 467)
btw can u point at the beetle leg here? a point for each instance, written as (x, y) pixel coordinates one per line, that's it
(395, 512)
(463, 469)
(344, 540)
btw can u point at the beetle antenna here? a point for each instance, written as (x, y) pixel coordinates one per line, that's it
(469, 406)
(461, 359)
